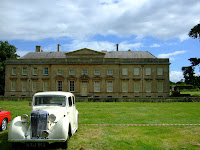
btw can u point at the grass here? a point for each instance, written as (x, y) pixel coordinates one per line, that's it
(151, 138)
(116, 137)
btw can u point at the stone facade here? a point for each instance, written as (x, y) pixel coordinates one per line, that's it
(86, 72)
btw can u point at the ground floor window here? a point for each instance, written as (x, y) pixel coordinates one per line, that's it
(13, 85)
(136, 86)
(96, 86)
(59, 86)
(124, 86)
(24, 85)
(109, 86)
(71, 86)
(45, 85)
(160, 86)
(148, 86)
(34, 86)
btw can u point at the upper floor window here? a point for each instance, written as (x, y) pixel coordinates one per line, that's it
(35, 71)
(59, 72)
(96, 72)
(14, 71)
(84, 72)
(160, 71)
(109, 72)
(148, 71)
(136, 71)
(24, 71)
(124, 71)
(46, 71)
(72, 72)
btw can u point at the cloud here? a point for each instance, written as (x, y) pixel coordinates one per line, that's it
(98, 45)
(170, 55)
(197, 74)
(155, 45)
(176, 76)
(22, 53)
(35, 20)
(125, 46)
(95, 45)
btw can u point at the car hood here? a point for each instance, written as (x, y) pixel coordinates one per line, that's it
(58, 111)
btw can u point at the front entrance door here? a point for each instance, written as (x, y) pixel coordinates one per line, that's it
(84, 88)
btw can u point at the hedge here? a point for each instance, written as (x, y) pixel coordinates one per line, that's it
(110, 99)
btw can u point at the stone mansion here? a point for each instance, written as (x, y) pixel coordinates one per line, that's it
(87, 72)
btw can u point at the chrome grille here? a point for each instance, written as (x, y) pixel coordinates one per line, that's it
(38, 123)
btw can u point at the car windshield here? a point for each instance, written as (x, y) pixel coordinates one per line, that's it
(50, 100)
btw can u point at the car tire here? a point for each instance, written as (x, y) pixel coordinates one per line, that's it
(18, 146)
(4, 124)
(64, 145)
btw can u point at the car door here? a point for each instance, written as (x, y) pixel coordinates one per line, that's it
(71, 112)
(74, 112)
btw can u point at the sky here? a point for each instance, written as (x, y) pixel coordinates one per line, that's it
(158, 26)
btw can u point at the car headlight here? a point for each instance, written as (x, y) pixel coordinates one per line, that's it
(24, 118)
(45, 134)
(52, 117)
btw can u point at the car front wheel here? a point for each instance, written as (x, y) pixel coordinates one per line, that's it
(4, 124)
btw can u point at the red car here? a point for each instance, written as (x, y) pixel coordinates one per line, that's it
(5, 117)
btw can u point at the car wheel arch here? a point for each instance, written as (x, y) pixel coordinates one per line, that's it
(6, 119)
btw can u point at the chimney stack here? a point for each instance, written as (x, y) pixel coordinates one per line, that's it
(58, 47)
(38, 49)
(117, 47)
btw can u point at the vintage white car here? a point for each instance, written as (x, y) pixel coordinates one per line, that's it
(53, 119)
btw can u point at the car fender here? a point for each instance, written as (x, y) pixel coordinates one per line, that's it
(60, 130)
(17, 129)
(3, 115)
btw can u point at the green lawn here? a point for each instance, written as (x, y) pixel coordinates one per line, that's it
(116, 137)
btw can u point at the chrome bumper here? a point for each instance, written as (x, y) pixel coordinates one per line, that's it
(36, 140)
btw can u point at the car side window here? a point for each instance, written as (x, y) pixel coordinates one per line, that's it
(73, 100)
(70, 101)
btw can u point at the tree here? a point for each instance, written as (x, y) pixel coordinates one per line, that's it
(195, 32)
(7, 51)
(188, 73)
